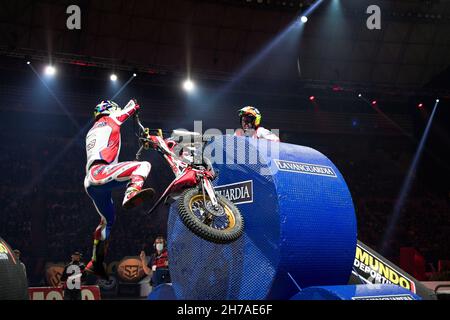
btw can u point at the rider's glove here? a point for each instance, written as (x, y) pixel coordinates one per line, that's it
(132, 104)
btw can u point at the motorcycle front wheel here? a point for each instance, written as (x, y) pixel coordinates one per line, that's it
(222, 224)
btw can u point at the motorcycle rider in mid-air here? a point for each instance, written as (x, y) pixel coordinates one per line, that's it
(104, 173)
(250, 120)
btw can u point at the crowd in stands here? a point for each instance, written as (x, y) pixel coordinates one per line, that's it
(15, 217)
(375, 173)
(43, 183)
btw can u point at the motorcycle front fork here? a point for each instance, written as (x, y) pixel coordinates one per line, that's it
(208, 189)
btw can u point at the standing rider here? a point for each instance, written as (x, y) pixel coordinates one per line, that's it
(250, 120)
(104, 173)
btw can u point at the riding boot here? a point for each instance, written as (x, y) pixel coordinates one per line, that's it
(133, 188)
(96, 266)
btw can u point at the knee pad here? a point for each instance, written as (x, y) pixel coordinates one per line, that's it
(143, 170)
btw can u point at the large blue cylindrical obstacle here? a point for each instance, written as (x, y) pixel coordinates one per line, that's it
(300, 226)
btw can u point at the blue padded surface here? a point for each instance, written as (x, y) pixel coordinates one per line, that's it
(162, 292)
(300, 225)
(357, 292)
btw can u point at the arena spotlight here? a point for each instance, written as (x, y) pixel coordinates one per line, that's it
(28, 62)
(50, 70)
(359, 95)
(420, 105)
(188, 85)
(407, 184)
(304, 19)
(312, 98)
(113, 77)
(374, 102)
(134, 75)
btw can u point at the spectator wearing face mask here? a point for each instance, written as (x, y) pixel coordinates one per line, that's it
(158, 265)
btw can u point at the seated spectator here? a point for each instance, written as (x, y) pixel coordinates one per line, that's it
(158, 266)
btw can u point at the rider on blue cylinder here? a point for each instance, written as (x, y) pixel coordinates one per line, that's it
(250, 120)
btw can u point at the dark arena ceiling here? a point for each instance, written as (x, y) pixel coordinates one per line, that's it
(216, 38)
(240, 51)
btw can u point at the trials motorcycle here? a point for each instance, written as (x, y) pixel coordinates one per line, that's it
(203, 211)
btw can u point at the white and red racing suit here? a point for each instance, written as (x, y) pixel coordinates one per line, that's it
(104, 173)
(259, 133)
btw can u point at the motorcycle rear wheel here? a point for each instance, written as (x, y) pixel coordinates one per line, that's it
(221, 225)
